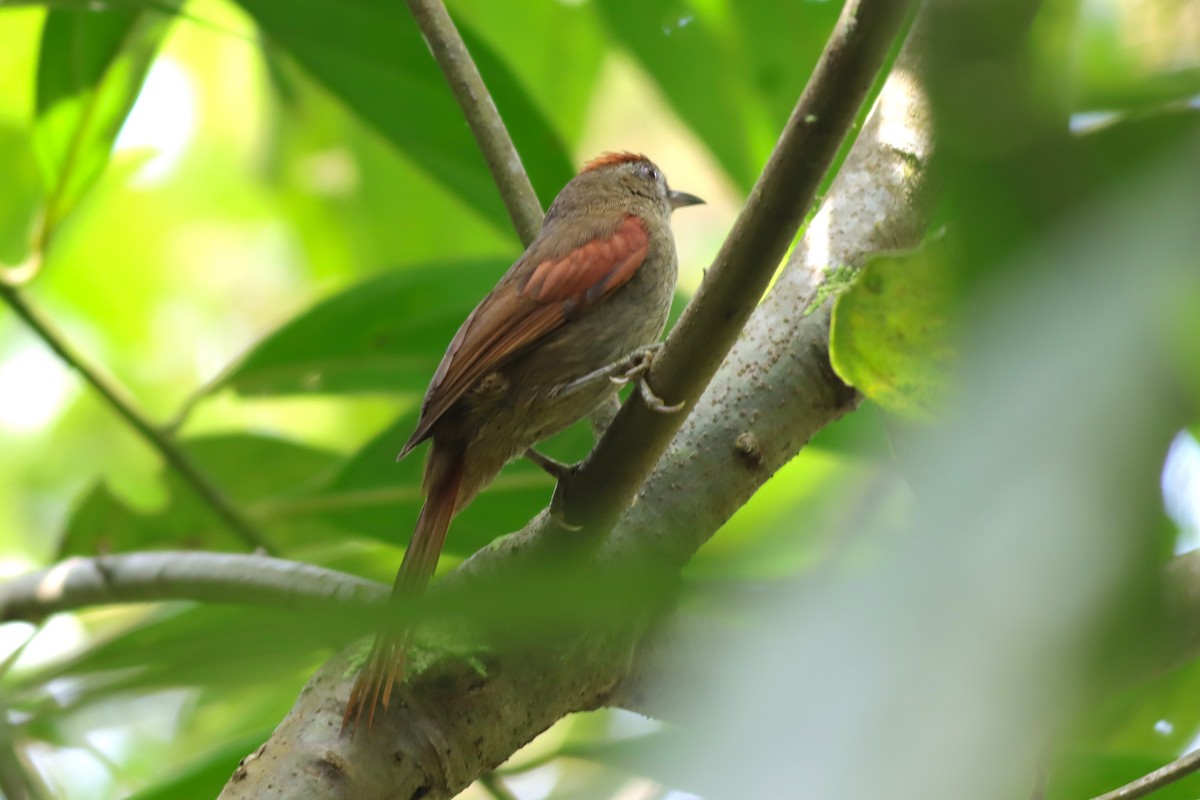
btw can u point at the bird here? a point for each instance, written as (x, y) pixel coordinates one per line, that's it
(577, 314)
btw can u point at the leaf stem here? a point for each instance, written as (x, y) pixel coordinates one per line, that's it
(121, 402)
(480, 111)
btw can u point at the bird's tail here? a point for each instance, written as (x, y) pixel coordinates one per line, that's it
(373, 686)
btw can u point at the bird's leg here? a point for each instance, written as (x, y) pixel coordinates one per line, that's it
(632, 367)
(554, 468)
(614, 372)
(562, 473)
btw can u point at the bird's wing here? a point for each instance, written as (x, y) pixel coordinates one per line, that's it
(533, 299)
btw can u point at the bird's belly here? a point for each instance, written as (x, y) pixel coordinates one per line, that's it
(526, 400)
(538, 395)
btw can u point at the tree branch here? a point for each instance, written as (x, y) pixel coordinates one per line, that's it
(203, 577)
(480, 111)
(623, 458)
(125, 406)
(456, 720)
(1179, 768)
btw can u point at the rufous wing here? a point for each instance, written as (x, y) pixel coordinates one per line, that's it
(534, 299)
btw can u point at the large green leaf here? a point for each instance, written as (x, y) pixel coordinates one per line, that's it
(385, 334)
(734, 84)
(561, 70)
(94, 58)
(372, 56)
(250, 468)
(890, 336)
(779, 43)
(375, 495)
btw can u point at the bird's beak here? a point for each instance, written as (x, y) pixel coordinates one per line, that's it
(681, 199)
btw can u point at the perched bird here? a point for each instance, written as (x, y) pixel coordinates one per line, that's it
(577, 314)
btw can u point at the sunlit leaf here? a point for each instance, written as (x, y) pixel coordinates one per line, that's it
(20, 199)
(890, 335)
(371, 55)
(93, 61)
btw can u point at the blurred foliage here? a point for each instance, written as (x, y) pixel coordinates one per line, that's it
(89, 74)
(268, 218)
(890, 337)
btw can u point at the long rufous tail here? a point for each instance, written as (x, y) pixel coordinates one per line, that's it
(373, 686)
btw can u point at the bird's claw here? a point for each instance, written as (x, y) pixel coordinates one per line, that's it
(654, 402)
(635, 368)
(559, 514)
(635, 365)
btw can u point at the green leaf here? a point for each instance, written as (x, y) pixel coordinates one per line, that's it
(204, 777)
(250, 468)
(779, 43)
(222, 649)
(374, 495)
(1128, 722)
(386, 334)
(21, 197)
(92, 64)
(371, 55)
(560, 73)
(890, 335)
(733, 84)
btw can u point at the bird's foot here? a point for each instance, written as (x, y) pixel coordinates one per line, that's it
(634, 368)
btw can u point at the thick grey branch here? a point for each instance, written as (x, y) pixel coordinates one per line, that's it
(480, 110)
(205, 577)
(456, 720)
(750, 256)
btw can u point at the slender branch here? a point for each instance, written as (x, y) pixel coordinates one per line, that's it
(1179, 768)
(609, 479)
(205, 577)
(125, 406)
(480, 110)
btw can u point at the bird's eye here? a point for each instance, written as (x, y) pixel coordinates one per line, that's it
(649, 170)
